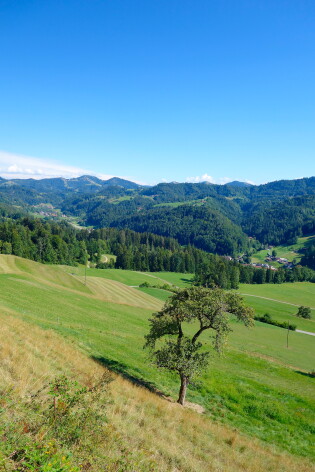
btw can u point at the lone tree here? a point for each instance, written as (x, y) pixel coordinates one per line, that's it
(176, 346)
(304, 312)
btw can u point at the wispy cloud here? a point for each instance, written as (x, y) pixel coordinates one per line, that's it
(208, 178)
(16, 166)
(19, 167)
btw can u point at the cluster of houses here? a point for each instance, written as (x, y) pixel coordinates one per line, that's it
(263, 266)
(253, 264)
(280, 260)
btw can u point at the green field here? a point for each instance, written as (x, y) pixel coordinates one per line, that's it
(297, 293)
(282, 301)
(290, 252)
(175, 278)
(260, 386)
(162, 295)
(133, 278)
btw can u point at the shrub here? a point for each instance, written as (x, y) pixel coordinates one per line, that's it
(266, 318)
(304, 312)
(55, 428)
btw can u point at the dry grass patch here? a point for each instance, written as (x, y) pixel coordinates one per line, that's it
(142, 428)
(183, 440)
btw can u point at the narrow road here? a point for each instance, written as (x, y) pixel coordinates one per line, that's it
(304, 332)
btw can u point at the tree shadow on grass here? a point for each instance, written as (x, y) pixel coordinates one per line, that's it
(121, 369)
(306, 374)
(189, 281)
(310, 241)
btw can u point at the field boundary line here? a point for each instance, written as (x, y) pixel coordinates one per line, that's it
(272, 299)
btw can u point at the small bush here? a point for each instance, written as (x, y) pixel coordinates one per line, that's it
(145, 284)
(304, 312)
(167, 287)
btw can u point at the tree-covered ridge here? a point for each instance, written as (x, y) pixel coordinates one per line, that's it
(216, 218)
(275, 222)
(201, 226)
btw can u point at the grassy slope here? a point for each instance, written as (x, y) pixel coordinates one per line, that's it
(140, 423)
(133, 278)
(297, 293)
(235, 389)
(288, 295)
(156, 292)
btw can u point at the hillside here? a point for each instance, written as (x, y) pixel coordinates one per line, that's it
(275, 213)
(108, 320)
(139, 423)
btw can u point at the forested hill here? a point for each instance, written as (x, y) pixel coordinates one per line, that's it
(201, 226)
(216, 218)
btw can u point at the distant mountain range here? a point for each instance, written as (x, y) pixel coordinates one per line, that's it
(216, 218)
(90, 182)
(82, 183)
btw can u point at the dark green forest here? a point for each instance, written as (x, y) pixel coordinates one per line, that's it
(218, 219)
(60, 243)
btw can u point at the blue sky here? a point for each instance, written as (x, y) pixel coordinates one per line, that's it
(158, 90)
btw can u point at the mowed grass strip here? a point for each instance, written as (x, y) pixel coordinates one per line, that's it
(158, 293)
(127, 277)
(116, 292)
(43, 273)
(134, 278)
(32, 273)
(248, 388)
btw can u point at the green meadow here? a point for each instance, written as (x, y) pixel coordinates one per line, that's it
(297, 293)
(282, 301)
(290, 252)
(133, 278)
(259, 386)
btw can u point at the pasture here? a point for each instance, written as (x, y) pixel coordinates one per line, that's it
(256, 366)
(139, 423)
(282, 301)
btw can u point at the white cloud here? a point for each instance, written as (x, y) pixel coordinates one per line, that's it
(202, 178)
(19, 167)
(208, 178)
(16, 166)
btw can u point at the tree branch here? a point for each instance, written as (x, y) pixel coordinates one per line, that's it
(196, 335)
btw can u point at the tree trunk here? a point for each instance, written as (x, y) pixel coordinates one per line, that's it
(182, 390)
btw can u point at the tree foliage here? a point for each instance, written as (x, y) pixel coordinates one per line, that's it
(174, 339)
(304, 312)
